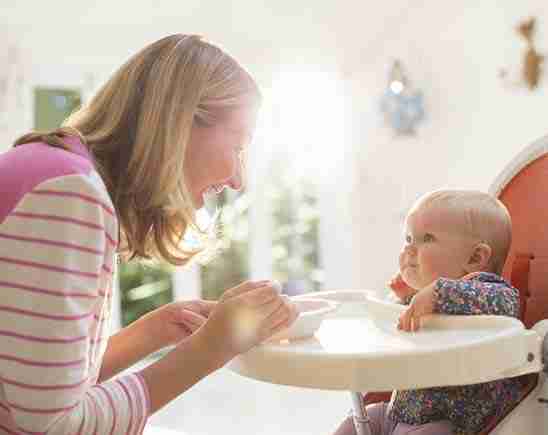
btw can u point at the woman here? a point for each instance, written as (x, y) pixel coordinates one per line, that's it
(124, 174)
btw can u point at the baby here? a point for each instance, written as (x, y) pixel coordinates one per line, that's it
(456, 243)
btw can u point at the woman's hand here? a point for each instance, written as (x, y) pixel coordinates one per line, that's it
(422, 304)
(246, 315)
(172, 323)
(400, 287)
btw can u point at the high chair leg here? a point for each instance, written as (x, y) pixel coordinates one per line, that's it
(361, 420)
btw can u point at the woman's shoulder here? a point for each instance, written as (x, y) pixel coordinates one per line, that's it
(40, 161)
(30, 165)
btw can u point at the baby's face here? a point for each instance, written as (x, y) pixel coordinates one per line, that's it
(435, 247)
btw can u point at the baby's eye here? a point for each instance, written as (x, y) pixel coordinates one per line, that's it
(428, 238)
(408, 239)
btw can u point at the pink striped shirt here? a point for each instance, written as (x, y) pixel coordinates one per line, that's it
(58, 236)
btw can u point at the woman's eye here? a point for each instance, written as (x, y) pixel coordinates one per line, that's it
(428, 238)
(408, 239)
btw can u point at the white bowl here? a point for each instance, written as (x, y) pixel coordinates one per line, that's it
(311, 313)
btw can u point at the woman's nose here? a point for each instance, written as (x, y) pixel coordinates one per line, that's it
(237, 182)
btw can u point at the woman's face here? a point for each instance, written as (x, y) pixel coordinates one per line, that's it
(214, 154)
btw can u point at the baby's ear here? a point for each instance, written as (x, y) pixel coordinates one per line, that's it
(479, 260)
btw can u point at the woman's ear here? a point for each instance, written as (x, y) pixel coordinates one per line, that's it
(479, 259)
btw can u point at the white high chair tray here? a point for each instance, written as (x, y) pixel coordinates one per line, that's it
(359, 348)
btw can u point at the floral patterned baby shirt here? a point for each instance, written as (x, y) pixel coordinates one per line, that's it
(468, 407)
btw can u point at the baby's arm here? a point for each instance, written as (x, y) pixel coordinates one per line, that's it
(463, 296)
(475, 297)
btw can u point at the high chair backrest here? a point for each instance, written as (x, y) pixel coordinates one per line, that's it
(523, 188)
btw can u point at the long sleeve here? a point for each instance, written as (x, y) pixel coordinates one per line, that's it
(477, 294)
(56, 254)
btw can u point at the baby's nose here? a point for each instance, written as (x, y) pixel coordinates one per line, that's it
(409, 249)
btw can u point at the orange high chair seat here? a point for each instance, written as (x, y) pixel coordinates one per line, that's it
(526, 197)
(523, 188)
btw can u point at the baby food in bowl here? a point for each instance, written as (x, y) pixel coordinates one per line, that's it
(312, 311)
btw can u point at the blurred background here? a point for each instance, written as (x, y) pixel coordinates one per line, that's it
(345, 143)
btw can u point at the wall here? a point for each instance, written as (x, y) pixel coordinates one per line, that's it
(475, 122)
(451, 50)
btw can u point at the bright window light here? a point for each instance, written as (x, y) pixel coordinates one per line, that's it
(303, 120)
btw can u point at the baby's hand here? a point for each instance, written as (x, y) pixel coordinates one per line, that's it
(400, 288)
(422, 304)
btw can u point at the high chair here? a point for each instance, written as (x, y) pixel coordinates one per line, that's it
(358, 348)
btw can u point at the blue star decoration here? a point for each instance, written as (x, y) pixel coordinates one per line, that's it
(403, 110)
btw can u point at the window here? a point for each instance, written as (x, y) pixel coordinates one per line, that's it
(53, 105)
(295, 221)
(143, 288)
(293, 251)
(231, 266)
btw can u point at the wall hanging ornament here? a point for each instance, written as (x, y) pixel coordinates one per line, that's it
(531, 67)
(532, 60)
(401, 105)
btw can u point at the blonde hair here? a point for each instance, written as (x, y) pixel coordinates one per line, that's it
(483, 217)
(137, 128)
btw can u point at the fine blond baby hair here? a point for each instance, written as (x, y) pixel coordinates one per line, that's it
(483, 217)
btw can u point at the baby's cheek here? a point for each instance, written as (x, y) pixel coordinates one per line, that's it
(428, 269)
(400, 257)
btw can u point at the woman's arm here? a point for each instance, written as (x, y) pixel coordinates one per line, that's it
(245, 316)
(124, 349)
(165, 326)
(180, 369)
